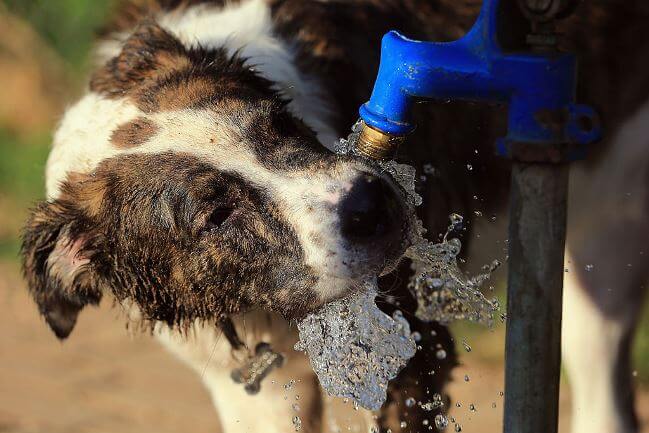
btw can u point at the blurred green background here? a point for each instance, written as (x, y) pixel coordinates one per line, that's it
(44, 61)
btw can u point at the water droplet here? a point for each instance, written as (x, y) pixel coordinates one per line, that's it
(441, 354)
(456, 219)
(501, 393)
(477, 213)
(296, 407)
(441, 422)
(458, 428)
(374, 429)
(493, 405)
(469, 167)
(297, 423)
(455, 246)
(289, 384)
(410, 402)
(458, 404)
(466, 378)
(424, 422)
(466, 345)
(403, 424)
(589, 267)
(429, 169)
(472, 407)
(416, 336)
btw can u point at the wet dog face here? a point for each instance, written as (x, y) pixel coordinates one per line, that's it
(185, 184)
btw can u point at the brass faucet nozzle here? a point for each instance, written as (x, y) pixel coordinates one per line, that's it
(376, 144)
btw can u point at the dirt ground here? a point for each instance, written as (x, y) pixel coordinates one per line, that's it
(102, 380)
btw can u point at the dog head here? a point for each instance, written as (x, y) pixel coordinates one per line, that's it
(185, 183)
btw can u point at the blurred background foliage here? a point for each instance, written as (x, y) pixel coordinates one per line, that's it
(44, 61)
(68, 26)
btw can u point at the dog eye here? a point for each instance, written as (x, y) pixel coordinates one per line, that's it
(218, 217)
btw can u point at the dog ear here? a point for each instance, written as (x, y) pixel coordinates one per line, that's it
(149, 52)
(56, 253)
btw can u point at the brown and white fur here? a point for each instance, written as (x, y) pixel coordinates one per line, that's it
(191, 184)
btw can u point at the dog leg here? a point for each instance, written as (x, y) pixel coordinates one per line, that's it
(596, 355)
(608, 272)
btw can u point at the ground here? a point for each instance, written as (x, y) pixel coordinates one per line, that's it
(105, 379)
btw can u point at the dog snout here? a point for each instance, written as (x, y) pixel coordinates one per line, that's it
(371, 211)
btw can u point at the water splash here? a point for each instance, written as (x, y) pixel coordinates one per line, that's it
(443, 291)
(441, 422)
(347, 146)
(405, 175)
(355, 348)
(297, 423)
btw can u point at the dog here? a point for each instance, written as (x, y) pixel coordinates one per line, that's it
(192, 185)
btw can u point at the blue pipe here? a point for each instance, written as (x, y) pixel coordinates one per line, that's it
(474, 68)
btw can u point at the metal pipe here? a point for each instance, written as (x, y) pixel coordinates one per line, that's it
(537, 233)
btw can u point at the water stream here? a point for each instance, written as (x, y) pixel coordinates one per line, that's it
(355, 348)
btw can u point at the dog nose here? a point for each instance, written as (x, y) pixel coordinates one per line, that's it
(370, 210)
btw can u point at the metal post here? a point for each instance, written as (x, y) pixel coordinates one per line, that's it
(537, 234)
(537, 238)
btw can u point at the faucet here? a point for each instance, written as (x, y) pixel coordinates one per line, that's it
(546, 130)
(539, 87)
